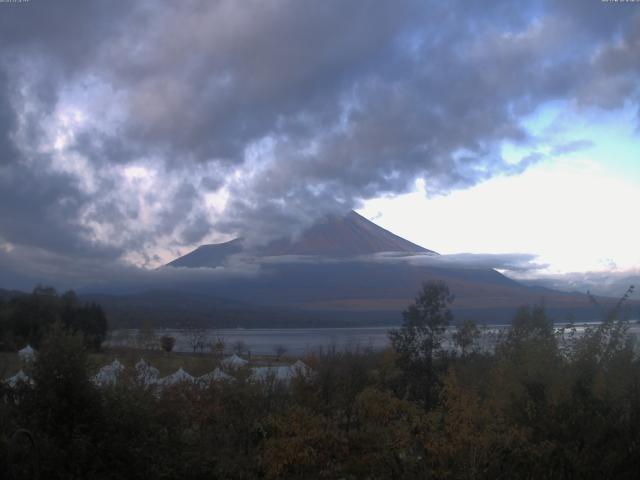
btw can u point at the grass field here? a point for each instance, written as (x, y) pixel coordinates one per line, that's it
(9, 364)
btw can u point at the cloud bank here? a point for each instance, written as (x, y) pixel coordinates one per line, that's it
(130, 133)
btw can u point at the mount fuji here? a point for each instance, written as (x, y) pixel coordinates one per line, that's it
(347, 267)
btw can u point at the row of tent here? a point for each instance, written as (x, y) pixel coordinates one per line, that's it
(148, 375)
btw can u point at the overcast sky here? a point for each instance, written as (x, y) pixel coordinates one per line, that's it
(131, 132)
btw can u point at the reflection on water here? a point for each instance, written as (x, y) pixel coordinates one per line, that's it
(294, 341)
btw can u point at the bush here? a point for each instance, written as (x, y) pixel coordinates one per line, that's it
(167, 343)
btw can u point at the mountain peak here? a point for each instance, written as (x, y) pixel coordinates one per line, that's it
(334, 235)
(350, 234)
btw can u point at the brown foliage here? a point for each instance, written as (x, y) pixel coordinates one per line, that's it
(302, 444)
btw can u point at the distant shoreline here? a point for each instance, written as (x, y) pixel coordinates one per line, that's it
(295, 341)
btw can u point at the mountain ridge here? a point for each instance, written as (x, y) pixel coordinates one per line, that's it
(355, 280)
(340, 236)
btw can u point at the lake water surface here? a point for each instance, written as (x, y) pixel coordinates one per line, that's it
(295, 341)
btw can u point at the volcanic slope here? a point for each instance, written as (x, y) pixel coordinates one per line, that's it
(349, 265)
(349, 235)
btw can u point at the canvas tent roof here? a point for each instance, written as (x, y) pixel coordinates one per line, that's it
(108, 375)
(141, 364)
(215, 375)
(300, 366)
(234, 361)
(145, 373)
(18, 378)
(27, 353)
(177, 377)
(281, 373)
(117, 366)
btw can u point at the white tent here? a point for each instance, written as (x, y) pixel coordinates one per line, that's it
(280, 374)
(234, 361)
(176, 377)
(214, 376)
(301, 368)
(117, 366)
(27, 354)
(105, 376)
(145, 373)
(108, 375)
(18, 378)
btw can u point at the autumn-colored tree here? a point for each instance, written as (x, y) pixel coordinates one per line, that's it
(466, 436)
(385, 442)
(302, 444)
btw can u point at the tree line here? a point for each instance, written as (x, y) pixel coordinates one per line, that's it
(545, 403)
(25, 319)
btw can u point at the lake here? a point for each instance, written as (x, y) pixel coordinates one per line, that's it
(295, 341)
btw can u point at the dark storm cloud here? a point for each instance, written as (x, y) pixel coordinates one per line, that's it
(51, 199)
(67, 32)
(285, 110)
(43, 46)
(8, 151)
(210, 77)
